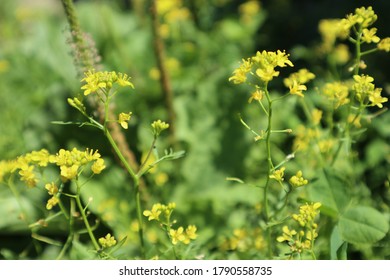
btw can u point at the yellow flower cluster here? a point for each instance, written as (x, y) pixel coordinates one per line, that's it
(184, 236)
(52, 189)
(158, 209)
(302, 238)
(71, 163)
(359, 22)
(104, 81)
(158, 126)
(162, 214)
(297, 180)
(26, 166)
(337, 93)
(107, 241)
(244, 240)
(365, 91)
(264, 64)
(296, 81)
(363, 17)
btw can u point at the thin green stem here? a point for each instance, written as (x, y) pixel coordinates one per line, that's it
(69, 240)
(270, 168)
(85, 219)
(135, 179)
(148, 155)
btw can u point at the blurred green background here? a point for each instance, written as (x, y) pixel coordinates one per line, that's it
(37, 75)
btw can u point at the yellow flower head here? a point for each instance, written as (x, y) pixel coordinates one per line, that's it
(298, 180)
(27, 175)
(362, 16)
(278, 174)
(177, 235)
(69, 172)
(107, 241)
(239, 75)
(287, 234)
(384, 44)
(123, 119)
(266, 61)
(376, 99)
(53, 201)
(256, 95)
(336, 92)
(52, 189)
(98, 166)
(369, 35)
(95, 81)
(307, 213)
(364, 87)
(158, 126)
(154, 213)
(191, 232)
(295, 82)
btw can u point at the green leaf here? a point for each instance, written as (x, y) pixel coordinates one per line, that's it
(332, 190)
(338, 247)
(363, 225)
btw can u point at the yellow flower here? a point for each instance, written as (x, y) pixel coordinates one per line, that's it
(337, 93)
(369, 35)
(267, 73)
(278, 174)
(364, 87)
(69, 172)
(257, 95)
(384, 44)
(298, 180)
(98, 166)
(153, 214)
(365, 16)
(295, 82)
(301, 77)
(123, 119)
(53, 201)
(52, 189)
(297, 88)
(307, 213)
(107, 241)
(287, 234)
(95, 81)
(239, 75)
(177, 235)
(123, 80)
(28, 176)
(376, 99)
(39, 157)
(190, 234)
